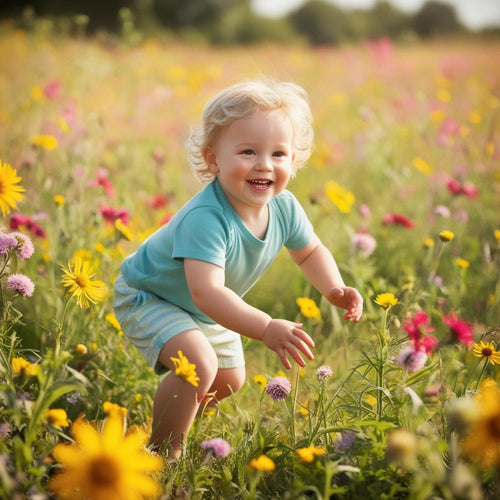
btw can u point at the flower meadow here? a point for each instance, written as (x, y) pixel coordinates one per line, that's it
(403, 187)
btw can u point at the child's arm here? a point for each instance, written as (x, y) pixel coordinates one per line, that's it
(320, 268)
(211, 296)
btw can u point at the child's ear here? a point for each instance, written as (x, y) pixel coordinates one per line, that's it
(211, 160)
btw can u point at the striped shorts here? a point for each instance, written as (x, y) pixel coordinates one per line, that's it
(150, 322)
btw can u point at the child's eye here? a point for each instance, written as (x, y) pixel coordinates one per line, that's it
(279, 154)
(247, 152)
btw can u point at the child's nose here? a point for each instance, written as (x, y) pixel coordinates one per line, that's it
(265, 163)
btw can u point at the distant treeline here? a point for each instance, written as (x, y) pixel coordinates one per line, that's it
(234, 22)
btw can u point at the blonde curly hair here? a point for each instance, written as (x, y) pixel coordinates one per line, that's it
(242, 100)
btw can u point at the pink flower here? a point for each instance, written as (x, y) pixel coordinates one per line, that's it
(467, 188)
(365, 243)
(25, 248)
(364, 210)
(52, 90)
(278, 388)
(7, 242)
(218, 446)
(324, 372)
(166, 219)
(461, 330)
(103, 181)
(21, 284)
(398, 220)
(411, 359)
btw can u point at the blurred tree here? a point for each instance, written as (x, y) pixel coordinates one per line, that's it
(321, 23)
(102, 14)
(436, 18)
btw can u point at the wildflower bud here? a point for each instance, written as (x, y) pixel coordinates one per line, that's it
(402, 449)
(81, 349)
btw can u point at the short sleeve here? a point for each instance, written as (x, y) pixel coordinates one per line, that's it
(202, 234)
(299, 229)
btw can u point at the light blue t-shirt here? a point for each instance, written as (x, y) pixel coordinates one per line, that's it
(208, 228)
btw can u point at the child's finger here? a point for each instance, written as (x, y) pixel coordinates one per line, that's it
(302, 335)
(296, 356)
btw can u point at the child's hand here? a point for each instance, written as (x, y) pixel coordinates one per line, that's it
(347, 298)
(284, 336)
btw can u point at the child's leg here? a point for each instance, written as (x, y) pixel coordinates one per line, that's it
(228, 381)
(177, 401)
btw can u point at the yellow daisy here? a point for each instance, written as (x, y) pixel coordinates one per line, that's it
(487, 350)
(386, 300)
(10, 190)
(78, 278)
(56, 417)
(185, 370)
(446, 236)
(105, 466)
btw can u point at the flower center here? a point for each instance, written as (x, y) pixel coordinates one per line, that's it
(103, 471)
(487, 352)
(493, 425)
(81, 281)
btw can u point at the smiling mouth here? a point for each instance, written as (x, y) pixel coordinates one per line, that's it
(260, 184)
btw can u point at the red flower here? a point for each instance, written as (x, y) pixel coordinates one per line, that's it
(467, 188)
(102, 180)
(461, 330)
(416, 327)
(112, 214)
(398, 219)
(18, 221)
(166, 219)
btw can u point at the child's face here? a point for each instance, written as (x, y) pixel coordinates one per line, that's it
(253, 159)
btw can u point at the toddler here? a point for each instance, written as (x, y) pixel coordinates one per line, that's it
(182, 289)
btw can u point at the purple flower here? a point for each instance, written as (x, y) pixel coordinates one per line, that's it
(73, 398)
(324, 372)
(278, 388)
(218, 446)
(346, 441)
(25, 247)
(21, 284)
(411, 359)
(7, 241)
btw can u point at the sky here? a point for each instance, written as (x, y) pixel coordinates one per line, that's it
(475, 14)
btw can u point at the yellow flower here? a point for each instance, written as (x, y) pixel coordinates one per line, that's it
(77, 278)
(462, 263)
(105, 466)
(483, 443)
(112, 409)
(59, 200)
(446, 236)
(309, 308)
(386, 300)
(422, 165)
(81, 349)
(56, 417)
(123, 230)
(342, 198)
(474, 117)
(496, 234)
(309, 454)
(37, 94)
(428, 243)
(260, 380)
(486, 350)
(113, 321)
(10, 190)
(21, 366)
(185, 370)
(44, 141)
(262, 463)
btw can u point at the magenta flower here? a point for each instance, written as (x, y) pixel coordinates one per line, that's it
(324, 372)
(103, 181)
(18, 221)
(112, 214)
(461, 330)
(218, 446)
(278, 388)
(21, 284)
